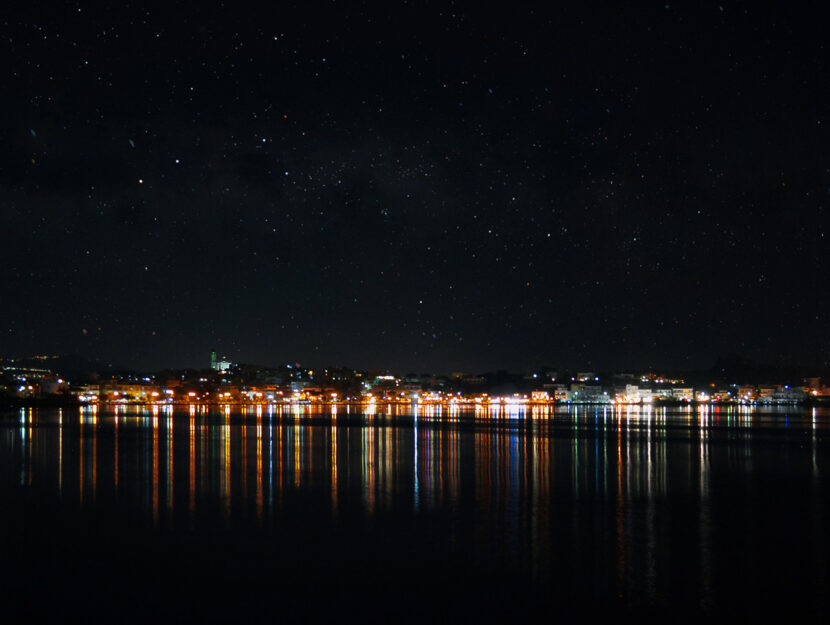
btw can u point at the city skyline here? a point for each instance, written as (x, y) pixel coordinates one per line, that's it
(730, 364)
(51, 379)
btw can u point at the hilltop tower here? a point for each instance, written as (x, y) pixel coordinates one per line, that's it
(222, 364)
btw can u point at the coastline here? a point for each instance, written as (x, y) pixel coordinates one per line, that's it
(72, 402)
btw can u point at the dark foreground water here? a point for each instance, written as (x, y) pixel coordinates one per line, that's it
(430, 515)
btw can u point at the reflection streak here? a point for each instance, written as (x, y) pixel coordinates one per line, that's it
(505, 466)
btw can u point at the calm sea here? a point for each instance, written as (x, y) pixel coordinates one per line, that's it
(415, 514)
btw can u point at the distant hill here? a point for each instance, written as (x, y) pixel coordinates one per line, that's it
(75, 368)
(741, 370)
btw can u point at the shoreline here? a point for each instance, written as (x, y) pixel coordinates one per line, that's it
(61, 402)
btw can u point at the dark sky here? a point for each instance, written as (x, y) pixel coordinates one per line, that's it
(421, 186)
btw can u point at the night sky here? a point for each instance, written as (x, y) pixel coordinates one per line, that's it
(420, 186)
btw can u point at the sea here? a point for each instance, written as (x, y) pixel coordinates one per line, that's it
(366, 514)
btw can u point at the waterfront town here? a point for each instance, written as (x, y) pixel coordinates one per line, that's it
(47, 379)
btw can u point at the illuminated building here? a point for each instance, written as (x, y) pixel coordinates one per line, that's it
(219, 365)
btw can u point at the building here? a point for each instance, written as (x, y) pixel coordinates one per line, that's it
(219, 365)
(589, 394)
(682, 394)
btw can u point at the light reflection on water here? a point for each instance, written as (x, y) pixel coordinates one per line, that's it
(621, 448)
(513, 481)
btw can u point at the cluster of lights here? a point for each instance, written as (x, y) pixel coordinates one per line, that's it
(633, 396)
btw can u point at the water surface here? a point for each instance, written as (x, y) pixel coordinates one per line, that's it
(393, 514)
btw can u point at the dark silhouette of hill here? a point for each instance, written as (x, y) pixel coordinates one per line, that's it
(740, 370)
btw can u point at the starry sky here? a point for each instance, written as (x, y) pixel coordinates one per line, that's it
(423, 186)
